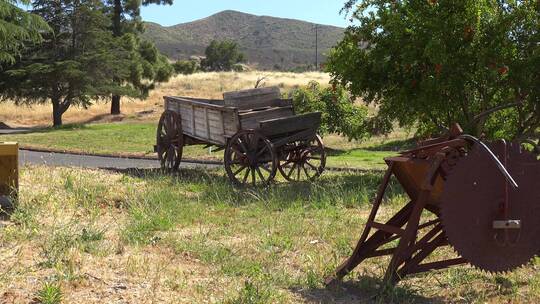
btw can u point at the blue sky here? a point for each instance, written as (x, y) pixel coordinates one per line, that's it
(318, 11)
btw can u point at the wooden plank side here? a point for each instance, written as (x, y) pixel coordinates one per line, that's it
(200, 130)
(251, 92)
(251, 120)
(207, 122)
(201, 103)
(291, 124)
(268, 113)
(253, 98)
(230, 123)
(215, 125)
(187, 118)
(258, 102)
(199, 114)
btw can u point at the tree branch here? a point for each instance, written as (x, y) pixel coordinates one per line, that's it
(495, 109)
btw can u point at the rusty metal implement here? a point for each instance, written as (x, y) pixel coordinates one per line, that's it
(481, 199)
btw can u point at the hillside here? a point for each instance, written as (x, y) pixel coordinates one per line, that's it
(268, 42)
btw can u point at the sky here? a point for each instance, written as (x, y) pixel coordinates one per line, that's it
(317, 11)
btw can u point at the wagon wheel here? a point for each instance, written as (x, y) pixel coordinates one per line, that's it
(170, 141)
(250, 159)
(303, 160)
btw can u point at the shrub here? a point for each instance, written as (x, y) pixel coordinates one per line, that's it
(340, 114)
(186, 67)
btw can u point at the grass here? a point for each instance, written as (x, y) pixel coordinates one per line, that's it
(49, 294)
(137, 139)
(141, 236)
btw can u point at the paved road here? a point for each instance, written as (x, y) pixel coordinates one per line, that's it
(86, 161)
(93, 162)
(14, 131)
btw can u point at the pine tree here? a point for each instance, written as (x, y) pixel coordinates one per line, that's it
(16, 28)
(147, 65)
(73, 64)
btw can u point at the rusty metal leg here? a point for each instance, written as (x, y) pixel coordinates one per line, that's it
(406, 241)
(368, 248)
(403, 251)
(378, 237)
(411, 265)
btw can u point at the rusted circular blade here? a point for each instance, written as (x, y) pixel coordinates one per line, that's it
(473, 198)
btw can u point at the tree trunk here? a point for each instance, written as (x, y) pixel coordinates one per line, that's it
(115, 105)
(57, 113)
(117, 18)
(117, 32)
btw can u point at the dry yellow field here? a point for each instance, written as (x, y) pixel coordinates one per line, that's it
(203, 85)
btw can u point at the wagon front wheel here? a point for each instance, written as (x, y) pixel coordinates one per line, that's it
(250, 159)
(303, 160)
(170, 141)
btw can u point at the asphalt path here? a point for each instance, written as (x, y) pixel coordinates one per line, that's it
(15, 131)
(95, 162)
(57, 159)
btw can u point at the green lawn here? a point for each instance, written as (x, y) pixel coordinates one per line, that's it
(139, 138)
(192, 238)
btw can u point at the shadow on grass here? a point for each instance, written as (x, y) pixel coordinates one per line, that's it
(67, 127)
(394, 145)
(364, 289)
(390, 146)
(213, 187)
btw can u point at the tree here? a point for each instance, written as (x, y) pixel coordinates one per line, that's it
(427, 64)
(73, 64)
(148, 66)
(222, 56)
(17, 27)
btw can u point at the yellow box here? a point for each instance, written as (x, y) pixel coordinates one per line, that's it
(9, 171)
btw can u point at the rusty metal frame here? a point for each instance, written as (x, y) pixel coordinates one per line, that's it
(408, 255)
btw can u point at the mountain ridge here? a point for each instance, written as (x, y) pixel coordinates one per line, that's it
(268, 42)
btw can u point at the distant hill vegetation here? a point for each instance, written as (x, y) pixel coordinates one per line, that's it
(268, 42)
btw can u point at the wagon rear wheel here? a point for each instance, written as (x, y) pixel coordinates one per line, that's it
(250, 159)
(303, 160)
(170, 141)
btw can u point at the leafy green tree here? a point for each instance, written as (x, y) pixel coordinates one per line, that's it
(222, 56)
(17, 27)
(147, 66)
(340, 115)
(186, 67)
(73, 64)
(428, 63)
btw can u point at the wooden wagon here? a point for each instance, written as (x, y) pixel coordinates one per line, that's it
(258, 131)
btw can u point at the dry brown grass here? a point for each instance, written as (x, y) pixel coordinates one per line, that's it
(203, 85)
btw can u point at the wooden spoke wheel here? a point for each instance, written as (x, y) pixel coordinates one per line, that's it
(170, 141)
(303, 160)
(250, 159)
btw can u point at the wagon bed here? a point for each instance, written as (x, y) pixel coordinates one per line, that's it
(258, 117)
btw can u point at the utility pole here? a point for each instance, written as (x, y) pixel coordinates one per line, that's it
(316, 46)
